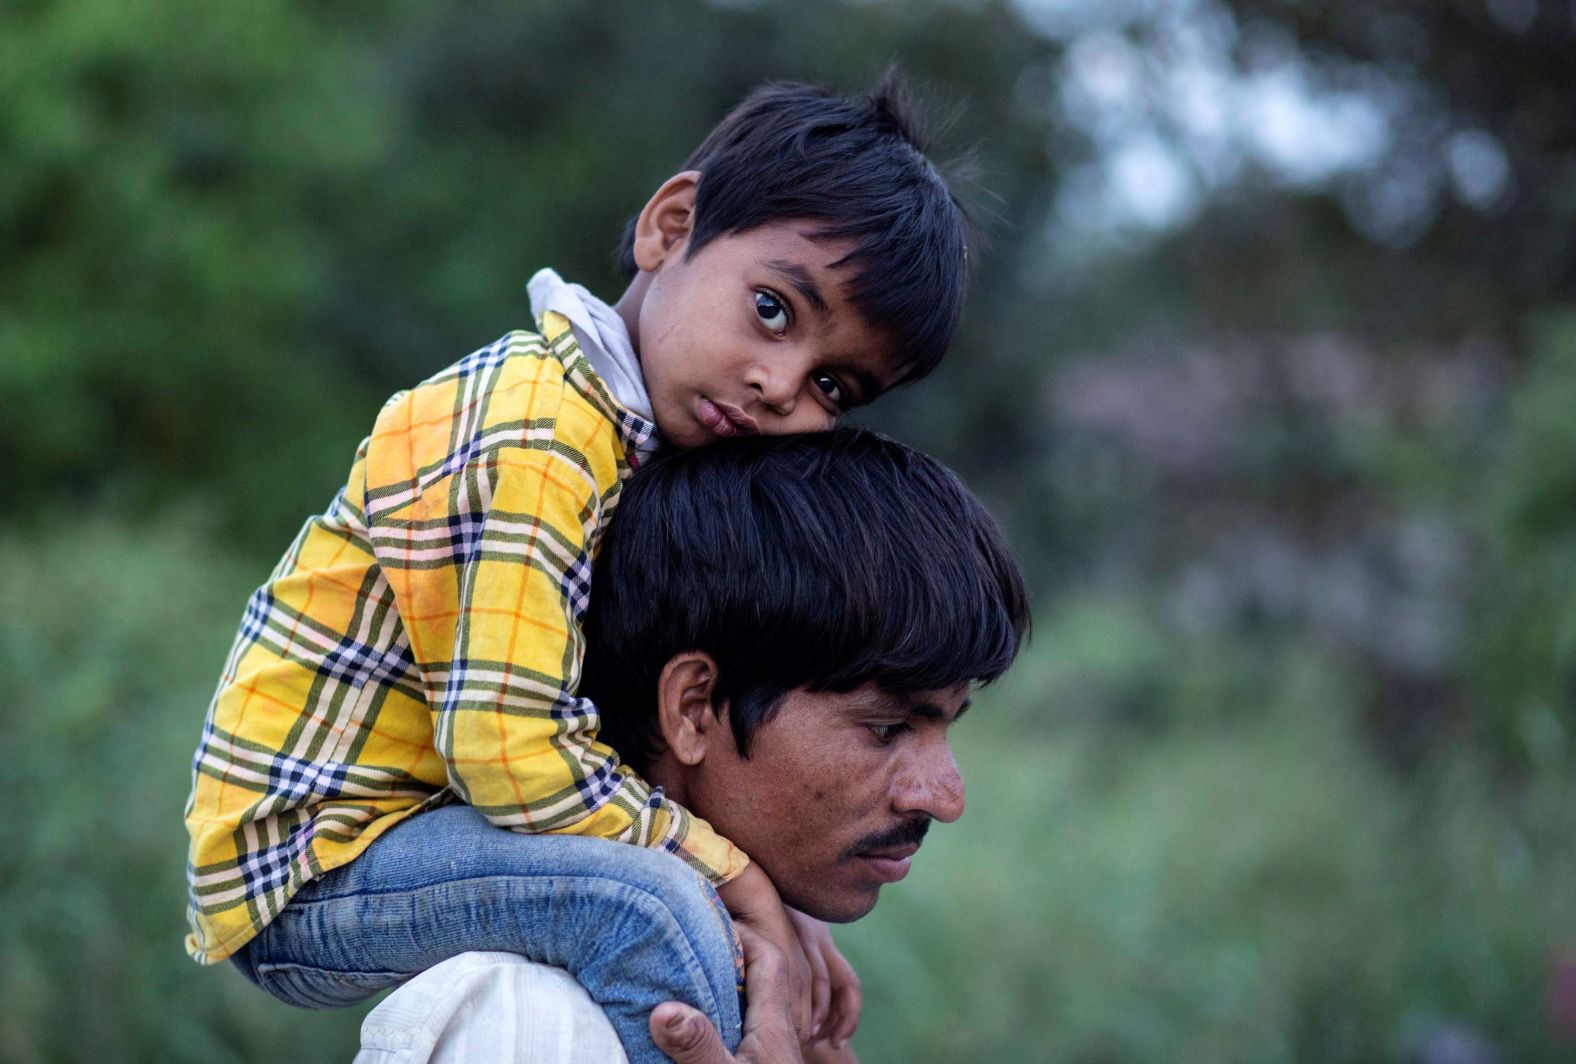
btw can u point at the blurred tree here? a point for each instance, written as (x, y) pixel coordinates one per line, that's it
(166, 181)
(1523, 670)
(1486, 137)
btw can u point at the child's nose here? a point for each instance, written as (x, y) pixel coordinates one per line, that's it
(776, 388)
(779, 384)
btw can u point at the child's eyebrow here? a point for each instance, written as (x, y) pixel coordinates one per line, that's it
(868, 388)
(800, 278)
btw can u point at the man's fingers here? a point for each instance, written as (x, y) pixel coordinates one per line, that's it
(820, 991)
(768, 1021)
(765, 967)
(766, 981)
(686, 1035)
(805, 986)
(815, 939)
(795, 969)
(849, 998)
(769, 1038)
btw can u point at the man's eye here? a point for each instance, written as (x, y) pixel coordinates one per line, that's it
(885, 733)
(831, 389)
(772, 311)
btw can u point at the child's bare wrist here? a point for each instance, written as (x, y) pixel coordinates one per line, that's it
(749, 894)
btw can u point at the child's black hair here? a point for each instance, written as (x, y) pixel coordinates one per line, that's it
(824, 560)
(856, 166)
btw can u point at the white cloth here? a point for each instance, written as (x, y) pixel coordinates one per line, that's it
(489, 1008)
(601, 334)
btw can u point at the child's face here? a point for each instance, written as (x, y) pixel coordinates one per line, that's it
(753, 334)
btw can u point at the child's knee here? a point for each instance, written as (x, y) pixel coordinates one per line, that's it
(662, 934)
(671, 909)
(678, 890)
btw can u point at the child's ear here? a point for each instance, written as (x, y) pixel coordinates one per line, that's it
(664, 225)
(685, 713)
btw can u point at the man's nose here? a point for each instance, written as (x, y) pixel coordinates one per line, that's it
(934, 787)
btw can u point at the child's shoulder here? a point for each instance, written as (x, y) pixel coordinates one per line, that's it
(530, 353)
(525, 390)
(532, 374)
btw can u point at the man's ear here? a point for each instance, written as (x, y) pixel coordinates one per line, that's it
(664, 225)
(684, 706)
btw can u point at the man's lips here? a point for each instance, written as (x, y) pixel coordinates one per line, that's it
(725, 420)
(889, 853)
(890, 865)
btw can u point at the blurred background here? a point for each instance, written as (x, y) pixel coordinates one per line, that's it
(1269, 371)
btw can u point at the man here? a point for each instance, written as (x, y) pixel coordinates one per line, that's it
(783, 631)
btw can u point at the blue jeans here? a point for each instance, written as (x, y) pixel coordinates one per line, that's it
(635, 926)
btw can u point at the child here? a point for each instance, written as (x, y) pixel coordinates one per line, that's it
(420, 643)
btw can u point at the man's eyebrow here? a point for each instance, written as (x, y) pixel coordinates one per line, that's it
(931, 711)
(800, 278)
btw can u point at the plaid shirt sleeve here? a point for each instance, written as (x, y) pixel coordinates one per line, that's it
(486, 491)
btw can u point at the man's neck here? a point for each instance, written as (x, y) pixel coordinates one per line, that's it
(665, 772)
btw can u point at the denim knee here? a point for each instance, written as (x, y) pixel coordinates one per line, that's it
(653, 893)
(659, 922)
(306, 985)
(681, 892)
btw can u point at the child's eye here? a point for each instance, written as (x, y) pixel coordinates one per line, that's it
(772, 311)
(831, 389)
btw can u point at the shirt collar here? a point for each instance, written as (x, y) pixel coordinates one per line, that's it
(601, 334)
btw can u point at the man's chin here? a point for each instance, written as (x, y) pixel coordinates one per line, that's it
(842, 908)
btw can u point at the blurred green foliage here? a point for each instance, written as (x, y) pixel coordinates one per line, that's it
(109, 636)
(1526, 642)
(1289, 771)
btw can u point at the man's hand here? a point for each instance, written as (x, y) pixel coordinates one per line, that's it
(769, 1036)
(835, 996)
(753, 903)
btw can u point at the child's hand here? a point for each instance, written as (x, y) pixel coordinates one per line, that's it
(835, 997)
(753, 902)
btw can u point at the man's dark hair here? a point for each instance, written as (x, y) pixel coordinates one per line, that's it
(856, 166)
(824, 560)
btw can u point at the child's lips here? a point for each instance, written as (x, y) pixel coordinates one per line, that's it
(725, 420)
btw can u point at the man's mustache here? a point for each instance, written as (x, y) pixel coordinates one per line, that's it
(907, 833)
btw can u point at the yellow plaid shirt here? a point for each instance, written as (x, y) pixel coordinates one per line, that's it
(420, 641)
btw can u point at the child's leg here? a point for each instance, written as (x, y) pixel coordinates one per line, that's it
(636, 927)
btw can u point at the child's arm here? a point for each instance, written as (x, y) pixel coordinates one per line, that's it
(752, 901)
(487, 489)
